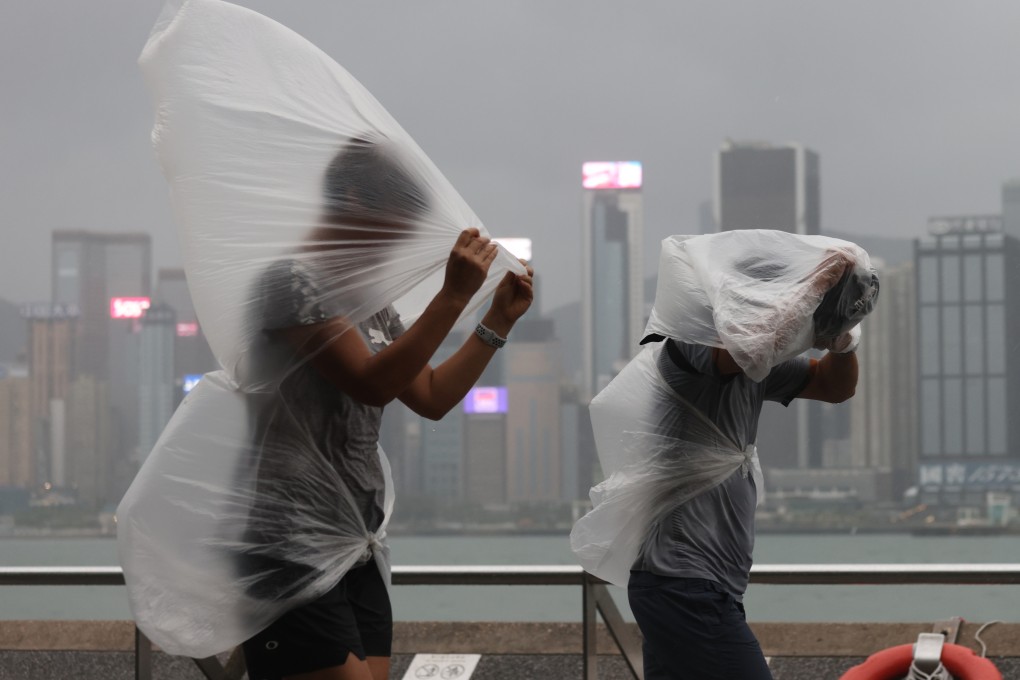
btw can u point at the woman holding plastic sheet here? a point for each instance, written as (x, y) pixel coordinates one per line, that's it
(674, 520)
(336, 377)
(307, 218)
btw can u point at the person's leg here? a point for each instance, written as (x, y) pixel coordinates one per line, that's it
(693, 631)
(740, 646)
(380, 667)
(352, 669)
(370, 600)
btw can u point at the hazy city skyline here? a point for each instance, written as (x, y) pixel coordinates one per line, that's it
(509, 99)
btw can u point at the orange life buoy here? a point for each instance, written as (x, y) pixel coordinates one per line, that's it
(894, 663)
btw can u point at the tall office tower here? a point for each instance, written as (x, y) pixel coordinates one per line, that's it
(107, 276)
(156, 388)
(92, 270)
(883, 413)
(52, 330)
(612, 284)
(17, 467)
(534, 464)
(192, 355)
(1011, 208)
(706, 218)
(92, 438)
(764, 186)
(968, 294)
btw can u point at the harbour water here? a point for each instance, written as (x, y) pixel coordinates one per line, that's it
(763, 603)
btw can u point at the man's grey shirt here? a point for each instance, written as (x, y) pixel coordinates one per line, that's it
(712, 535)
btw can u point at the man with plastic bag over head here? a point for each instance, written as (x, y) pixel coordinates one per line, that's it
(313, 230)
(675, 431)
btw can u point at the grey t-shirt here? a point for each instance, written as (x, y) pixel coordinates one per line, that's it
(307, 415)
(712, 535)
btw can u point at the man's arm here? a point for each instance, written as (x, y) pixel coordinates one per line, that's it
(833, 380)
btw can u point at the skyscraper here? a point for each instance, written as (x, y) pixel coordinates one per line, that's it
(89, 270)
(192, 355)
(533, 443)
(1011, 208)
(762, 186)
(759, 185)
(883, 413)
(107, 275)
(968, 295)
(612, 285)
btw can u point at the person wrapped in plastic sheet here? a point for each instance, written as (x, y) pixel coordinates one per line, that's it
(675, 430)
(327, 259)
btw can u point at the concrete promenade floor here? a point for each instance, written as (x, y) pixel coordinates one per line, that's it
(103, 650)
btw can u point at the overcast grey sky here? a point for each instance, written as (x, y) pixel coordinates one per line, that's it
(914, 108)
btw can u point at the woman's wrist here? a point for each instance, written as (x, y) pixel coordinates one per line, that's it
(497, 322)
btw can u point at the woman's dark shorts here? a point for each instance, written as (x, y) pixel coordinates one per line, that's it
(355, 617)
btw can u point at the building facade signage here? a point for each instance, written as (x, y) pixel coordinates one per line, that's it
(983, 475)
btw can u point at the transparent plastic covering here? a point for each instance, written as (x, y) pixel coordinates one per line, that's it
(657, 451)
(764, 296)
(301, 204)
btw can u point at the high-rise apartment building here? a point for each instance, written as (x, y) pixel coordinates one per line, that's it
(17, 464)
(612, 285)
(442, 441)
(533, 437)
(91, 441)
(52, 335)
(968, 316)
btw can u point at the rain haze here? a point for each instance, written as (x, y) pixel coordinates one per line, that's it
(910, 106)
(862, 120)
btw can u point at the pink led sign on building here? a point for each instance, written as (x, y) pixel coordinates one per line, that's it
(611, 175)
(128, 307)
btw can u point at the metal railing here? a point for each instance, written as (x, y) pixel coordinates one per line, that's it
(595, 598)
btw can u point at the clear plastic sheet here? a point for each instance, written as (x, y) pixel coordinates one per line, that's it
(765, 296)
(657, 451)
(300, 203)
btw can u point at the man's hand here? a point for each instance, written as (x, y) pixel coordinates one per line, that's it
(827, 274)
(469, 263)
(843, 343)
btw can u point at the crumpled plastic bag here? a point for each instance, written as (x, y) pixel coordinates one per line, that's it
(299, 201)
(657, 451)
(764, 296)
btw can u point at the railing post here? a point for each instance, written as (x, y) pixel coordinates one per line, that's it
(588, 626)
(143, 656)
(629, 647)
